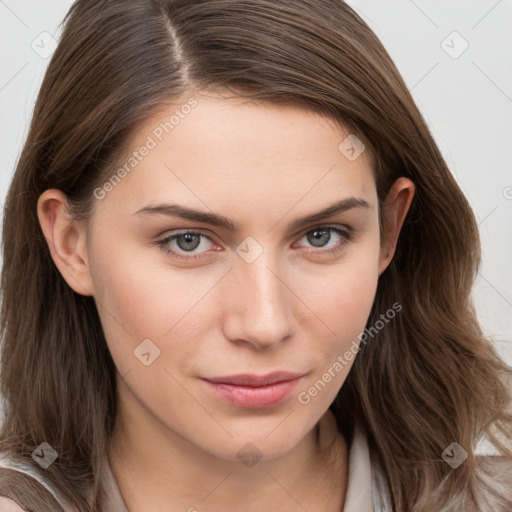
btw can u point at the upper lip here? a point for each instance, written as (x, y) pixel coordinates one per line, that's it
(255, 380)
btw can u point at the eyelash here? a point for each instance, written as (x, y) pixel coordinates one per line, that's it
(345, 235)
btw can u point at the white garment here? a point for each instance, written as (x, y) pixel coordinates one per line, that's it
(366, 489)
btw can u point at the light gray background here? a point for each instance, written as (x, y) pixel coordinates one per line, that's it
(466, 98)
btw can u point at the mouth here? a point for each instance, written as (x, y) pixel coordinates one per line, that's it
(252, 391)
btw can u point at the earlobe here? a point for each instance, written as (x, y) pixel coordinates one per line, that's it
(397, 205)
(67, 240)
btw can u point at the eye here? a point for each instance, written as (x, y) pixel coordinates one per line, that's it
(183, 245)
(187, 245)
(322, 238)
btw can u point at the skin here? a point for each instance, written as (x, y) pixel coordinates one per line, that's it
(296, 307)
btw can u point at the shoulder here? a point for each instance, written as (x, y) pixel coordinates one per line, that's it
(8, 505)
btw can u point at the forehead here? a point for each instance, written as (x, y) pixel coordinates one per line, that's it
(219, 151)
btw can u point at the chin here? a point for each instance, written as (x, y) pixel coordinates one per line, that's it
(253, 447)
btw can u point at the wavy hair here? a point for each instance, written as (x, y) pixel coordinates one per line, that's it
(428, 379)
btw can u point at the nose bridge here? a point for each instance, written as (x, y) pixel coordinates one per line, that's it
(261, 313)
(265, 289)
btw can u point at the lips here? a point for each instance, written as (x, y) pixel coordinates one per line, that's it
(254, 391)
(255, 380)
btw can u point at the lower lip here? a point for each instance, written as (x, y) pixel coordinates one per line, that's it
(262, 397)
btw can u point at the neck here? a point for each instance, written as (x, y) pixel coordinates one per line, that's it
(158, 470)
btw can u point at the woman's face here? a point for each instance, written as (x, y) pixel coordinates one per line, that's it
(209, 258)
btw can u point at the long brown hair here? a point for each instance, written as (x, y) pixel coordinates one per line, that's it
(428, 379)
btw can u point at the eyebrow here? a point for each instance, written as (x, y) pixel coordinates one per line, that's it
(176, 210)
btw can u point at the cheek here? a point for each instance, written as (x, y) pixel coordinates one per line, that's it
(341, 297)
(348, 296)
(343, 294)
(140, 298)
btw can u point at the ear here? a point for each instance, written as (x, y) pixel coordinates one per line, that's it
(67, 240)
(395, 209)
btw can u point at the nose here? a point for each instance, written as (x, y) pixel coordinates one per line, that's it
(258, 311)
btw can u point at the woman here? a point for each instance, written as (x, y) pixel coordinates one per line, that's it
(250, 276)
